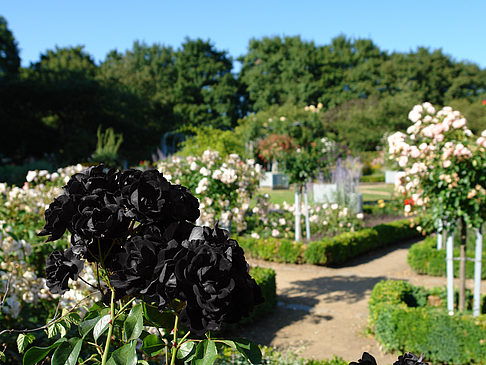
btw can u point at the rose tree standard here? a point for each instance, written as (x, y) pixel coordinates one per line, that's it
(443, 165)
(135, 228)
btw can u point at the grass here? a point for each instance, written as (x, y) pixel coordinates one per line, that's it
(281, 195)
(371, 192)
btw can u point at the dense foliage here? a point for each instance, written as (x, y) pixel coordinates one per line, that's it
(149, 90)
(424, 258)
(403, 316)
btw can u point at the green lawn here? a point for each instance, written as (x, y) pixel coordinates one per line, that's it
(371, 192)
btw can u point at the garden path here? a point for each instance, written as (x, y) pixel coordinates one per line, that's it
(323, 311)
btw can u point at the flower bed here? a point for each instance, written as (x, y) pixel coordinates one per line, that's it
(424, 258)
(330, 250)
(402, 318)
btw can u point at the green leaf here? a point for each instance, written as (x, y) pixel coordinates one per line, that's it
(133, 325)
(74, 318)
(143, 362)
(86, 326)
(125, 355)
(206, 353)
(97, 307)
(156, 318)
(24, 340)
(101, 326)
(187, 351)
(36, 354)
(152, 345)
(68, 352)
(249, 350)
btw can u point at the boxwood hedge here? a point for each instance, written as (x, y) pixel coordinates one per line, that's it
(402, 320)
(329, 250)
(424, 258)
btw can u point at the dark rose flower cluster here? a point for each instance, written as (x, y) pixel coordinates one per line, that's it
(405, 359)
(140, 229)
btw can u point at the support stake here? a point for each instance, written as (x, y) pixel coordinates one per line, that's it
(439, 235)
(307, 222)
(477, 273)
(450, 272)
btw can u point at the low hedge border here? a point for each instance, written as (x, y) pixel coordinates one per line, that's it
(373, 178)
(266, 279)
(424, 258)
(330, 250)
(402, 320)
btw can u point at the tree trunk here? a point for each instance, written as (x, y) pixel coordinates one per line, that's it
(462, 267)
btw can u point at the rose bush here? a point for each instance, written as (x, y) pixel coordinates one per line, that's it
(442, 162)
(135, 230)
(224, 187)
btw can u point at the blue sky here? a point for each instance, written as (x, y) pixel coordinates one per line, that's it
(458, 27)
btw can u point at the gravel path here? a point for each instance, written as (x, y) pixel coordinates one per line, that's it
(323, 311)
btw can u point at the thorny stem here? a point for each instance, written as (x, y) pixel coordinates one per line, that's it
(174, 344)
(182, 340)
(110, 328)
(123, 308)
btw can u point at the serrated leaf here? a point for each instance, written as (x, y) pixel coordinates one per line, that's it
(101, 326)
(133, 325)
(206, 353)
(249, 350)
(24, 340)
(125, 355)
(68, 352)
(36, 354)
(152, 345)
(157, 318)
(187, 351)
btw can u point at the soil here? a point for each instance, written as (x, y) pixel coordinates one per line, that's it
(323, 311)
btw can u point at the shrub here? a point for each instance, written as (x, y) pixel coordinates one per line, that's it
(329, 250)
(424, 258)
(341, 248)
(373, 178)
(401, 319)
(265, 278)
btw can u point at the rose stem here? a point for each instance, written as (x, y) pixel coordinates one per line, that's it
(110, 328)
(174, 345)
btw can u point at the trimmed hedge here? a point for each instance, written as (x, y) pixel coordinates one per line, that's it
(329, 250)
(424, 258)
(373, 178)
(402, 320)
(265, 278)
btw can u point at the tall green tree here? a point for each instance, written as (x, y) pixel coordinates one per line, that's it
(279, 71)
(206, 92)
(9, 52)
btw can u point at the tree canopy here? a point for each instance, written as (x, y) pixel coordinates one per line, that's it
(55, 106)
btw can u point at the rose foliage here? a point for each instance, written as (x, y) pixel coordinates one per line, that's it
(443, 166)
(136, 230)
